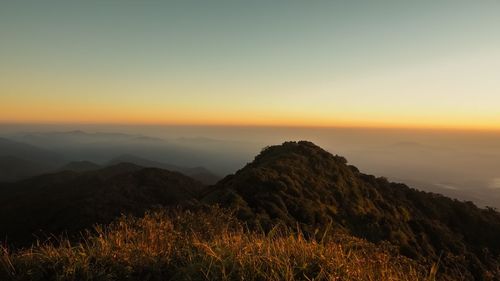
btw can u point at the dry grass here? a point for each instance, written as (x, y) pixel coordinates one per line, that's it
(208, 245)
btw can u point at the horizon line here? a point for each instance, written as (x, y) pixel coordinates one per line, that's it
(243, 125)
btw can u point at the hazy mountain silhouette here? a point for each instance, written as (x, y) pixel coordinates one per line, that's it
(28, 152)
(70, 201)
(13, 168)
(99, 147)
(198, 173)
(220, 156)
(300, 183)
(19, 160)
(78, 136)
(80, 166)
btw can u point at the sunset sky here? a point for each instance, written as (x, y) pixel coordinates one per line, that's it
(295, 63)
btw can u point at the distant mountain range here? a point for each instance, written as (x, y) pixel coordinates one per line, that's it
(19, 160)
(297, 184)
(22, 160)
(80, 166)
(198, 173)
(99, 147)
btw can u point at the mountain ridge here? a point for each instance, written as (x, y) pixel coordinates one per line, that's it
(20, 160)
(298, 183)
(199, 173)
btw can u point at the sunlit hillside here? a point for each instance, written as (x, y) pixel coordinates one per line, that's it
(206, 245)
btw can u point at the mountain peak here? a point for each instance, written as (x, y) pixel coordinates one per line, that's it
(300, 184)
(291, 146)
(306, 150)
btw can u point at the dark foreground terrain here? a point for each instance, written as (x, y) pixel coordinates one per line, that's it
(296, 212)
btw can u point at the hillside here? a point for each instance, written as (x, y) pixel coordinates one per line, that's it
(199, 173)
(301, 183)
(70, 201)
(14, 168)
(19, 160)
(80, 166)
(207, 244)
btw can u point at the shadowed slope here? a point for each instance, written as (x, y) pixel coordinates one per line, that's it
(19, 160)
(70, 201)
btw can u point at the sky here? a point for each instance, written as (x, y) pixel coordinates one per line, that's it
(431, 64)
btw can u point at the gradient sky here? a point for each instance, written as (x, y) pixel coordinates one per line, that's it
(306, 63)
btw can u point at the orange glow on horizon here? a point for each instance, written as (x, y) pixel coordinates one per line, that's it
(58, 115)
(44, 111)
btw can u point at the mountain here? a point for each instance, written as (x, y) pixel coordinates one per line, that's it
(99, 147)
(27, 151)
(221, 156)
(198, 173)
(14, 168)
(80, 166)
(296, 184)
(301, 185)
(19, 160)
(78, 136)
(70, 201)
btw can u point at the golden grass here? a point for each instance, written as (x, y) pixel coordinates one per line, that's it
(208, 245)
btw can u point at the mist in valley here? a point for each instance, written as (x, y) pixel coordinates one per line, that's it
(459, 164)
